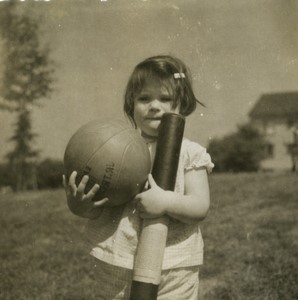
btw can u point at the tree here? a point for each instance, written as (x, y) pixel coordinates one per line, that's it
(27, 78)
(241, 151)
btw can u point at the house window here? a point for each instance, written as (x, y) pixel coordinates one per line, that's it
(269, 150)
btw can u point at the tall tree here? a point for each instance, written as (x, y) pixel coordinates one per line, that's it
(26, 80)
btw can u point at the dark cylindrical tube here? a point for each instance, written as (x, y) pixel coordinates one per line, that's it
(149, 257)
(168, 146)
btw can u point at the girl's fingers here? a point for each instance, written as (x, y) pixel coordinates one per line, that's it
(71, 185)
(81, 187)
(101, 202)
(72, 178)
(146, 187)
(67, 188)
(139, 206)
(151, 181)
(92, 192)
(137, 198)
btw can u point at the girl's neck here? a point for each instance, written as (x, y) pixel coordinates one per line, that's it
(148, 138)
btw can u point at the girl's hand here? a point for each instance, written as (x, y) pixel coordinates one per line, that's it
(80, 203)
(153, 203)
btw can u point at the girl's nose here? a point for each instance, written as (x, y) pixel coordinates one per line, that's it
(155, 104)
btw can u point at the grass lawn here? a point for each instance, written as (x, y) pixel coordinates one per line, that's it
(250, 235)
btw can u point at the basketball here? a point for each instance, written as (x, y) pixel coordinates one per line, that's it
(113, 155)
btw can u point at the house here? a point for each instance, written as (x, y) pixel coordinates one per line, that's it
(276, 116)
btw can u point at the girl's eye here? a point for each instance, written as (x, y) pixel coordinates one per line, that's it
(143, 98)
(148, 98)
(166, 99)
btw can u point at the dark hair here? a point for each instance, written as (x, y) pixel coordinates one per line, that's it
(162, 69)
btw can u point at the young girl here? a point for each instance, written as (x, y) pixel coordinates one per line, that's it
(157, 85)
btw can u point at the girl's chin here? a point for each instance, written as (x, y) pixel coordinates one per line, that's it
(150, 134)
(151, 130)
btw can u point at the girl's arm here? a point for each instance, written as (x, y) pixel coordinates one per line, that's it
(194, 205)
(189, 208)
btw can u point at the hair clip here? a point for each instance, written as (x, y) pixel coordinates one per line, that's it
(179, 75)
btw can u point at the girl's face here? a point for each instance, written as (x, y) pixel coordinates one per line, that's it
(149, 105)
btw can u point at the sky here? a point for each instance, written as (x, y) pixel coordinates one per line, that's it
(236, 51)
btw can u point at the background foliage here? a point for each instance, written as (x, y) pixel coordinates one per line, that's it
(49, 174)
(26, 80)
(241, 151)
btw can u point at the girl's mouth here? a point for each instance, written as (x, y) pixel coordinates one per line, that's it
(153, 118)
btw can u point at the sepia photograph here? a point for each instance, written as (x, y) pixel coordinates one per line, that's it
(149, 149)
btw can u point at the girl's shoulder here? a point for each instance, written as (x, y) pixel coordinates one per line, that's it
(195, 156)
(187, 143)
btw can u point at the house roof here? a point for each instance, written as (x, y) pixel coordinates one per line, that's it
(277, 105)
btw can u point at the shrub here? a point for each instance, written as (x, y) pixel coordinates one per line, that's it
(49, 174)
(241, 151)
(5, 175)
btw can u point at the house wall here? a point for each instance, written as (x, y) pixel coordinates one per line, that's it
(279, 135)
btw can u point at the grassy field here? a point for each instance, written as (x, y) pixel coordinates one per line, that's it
(250, 234)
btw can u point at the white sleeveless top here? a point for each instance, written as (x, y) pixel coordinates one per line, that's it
(113, 237)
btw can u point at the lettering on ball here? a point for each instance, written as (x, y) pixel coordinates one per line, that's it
(92, 180)
(107, 178)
